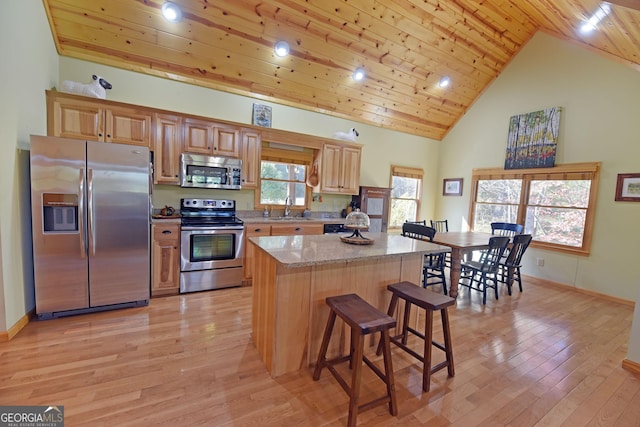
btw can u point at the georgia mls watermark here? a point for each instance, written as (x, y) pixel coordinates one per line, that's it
(31, 416)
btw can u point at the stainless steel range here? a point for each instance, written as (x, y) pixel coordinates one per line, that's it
(211, 245)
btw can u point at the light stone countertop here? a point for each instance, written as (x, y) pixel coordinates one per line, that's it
(306, 250)
(166, 221)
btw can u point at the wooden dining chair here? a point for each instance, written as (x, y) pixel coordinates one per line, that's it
(510, 266)
(486, 269)
(441, 226)
(506, 229)
(433, 264)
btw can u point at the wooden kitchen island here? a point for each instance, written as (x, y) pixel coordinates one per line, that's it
(294, 274)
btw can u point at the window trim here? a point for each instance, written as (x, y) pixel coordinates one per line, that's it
(303, 157)
(563, 171)
(406, 172)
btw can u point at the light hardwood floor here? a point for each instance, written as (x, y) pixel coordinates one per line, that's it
(546, 357)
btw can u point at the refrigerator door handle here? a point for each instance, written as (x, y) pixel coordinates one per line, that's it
(91, 226)
(81, 223)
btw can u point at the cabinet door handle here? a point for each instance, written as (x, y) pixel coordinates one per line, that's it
(298, 229)
(166, 231)
(257, 230)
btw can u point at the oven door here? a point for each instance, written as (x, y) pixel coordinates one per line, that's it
(211, 247)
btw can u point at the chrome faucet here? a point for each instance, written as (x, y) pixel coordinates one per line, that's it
(287, 206)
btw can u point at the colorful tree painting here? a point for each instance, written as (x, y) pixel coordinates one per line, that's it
(532, 140)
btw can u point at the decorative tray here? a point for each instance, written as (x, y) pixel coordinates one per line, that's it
(357, 240)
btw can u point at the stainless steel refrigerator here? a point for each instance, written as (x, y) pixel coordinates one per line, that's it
(90, 216)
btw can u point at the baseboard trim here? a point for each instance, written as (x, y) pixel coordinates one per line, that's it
(17, 327)
(631, 366)
(545, 282)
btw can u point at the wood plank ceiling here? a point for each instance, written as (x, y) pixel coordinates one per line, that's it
(404, 46)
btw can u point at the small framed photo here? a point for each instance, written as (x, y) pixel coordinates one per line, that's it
(452, 187)
(628, 187)
(261, 115)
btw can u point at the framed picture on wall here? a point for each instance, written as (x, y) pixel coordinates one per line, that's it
(452, 187)
(628, 187)
(262, 115)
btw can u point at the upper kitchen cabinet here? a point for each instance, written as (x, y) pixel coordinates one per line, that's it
(251, 148)
(340, 169)
(167, 146)
(74, 116)
(210, 138)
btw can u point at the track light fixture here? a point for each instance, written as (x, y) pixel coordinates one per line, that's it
(282, 48)
(358, 74)
(595, 19)
(171, 12)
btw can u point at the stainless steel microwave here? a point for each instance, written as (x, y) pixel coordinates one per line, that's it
(200, 171)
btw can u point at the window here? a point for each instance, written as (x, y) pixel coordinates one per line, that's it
(406, 190)
(556, 205)
(282, 182)
(283, 177)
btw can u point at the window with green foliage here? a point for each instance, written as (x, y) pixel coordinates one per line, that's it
(406, 191)
(282, 183)
(283, 174)
(556, 205)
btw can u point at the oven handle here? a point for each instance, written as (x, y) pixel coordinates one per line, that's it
(232, 227)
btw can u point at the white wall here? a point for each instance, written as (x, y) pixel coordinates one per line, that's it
(382, 147)
(600, 122)
(633, 353)
(29, 66)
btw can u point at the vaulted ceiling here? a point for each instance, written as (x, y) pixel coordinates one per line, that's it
(404, 46)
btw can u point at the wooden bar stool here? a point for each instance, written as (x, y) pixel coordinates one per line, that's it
(363, 319)
(430, 301)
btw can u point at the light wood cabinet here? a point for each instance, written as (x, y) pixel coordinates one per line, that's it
(252, 230)
(250, 155)
(165, 259)
(296, 229)
(290, 229)
(167, 147)
(340, 169)
(70, 116)
(210, 138)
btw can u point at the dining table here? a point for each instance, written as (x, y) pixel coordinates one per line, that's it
(461, 243)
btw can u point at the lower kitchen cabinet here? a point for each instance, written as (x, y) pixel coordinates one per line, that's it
(256, 230)
(165, 259)
(296, 229)
(252, 230)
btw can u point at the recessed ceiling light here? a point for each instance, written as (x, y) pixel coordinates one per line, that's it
(444, 82)
(595, 19)
(358, 74)
(282, 48)
(171, 12)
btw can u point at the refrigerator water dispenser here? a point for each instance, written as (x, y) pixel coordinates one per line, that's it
(59, 212)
